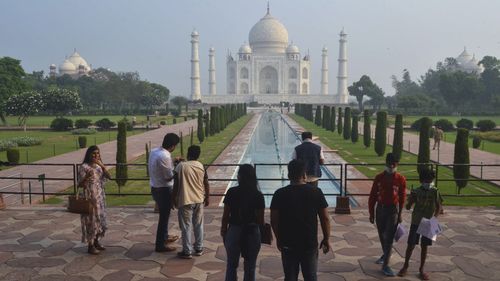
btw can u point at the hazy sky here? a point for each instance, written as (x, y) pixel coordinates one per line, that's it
(152, 37)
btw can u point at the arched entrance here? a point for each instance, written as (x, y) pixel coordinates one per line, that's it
(268, 80)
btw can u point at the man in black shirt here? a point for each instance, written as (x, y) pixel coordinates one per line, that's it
(294, 218)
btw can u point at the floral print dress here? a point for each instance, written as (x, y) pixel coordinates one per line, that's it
(93, 225)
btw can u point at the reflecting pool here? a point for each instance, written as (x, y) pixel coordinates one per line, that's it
(273, 142)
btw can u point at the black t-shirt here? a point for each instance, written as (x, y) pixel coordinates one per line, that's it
(298, 207)
(243, 202)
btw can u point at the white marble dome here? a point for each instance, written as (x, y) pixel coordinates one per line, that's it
(292, 49)
(77, 60)
(268, 35)
(464, 57)
(67, 67)
(245, 49)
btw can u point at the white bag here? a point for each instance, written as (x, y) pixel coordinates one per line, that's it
(429, 228)
(400, 232)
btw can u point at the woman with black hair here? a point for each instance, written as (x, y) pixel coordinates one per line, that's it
(244, 213)
(91, 177)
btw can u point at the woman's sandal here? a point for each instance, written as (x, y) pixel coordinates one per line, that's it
(423, 276)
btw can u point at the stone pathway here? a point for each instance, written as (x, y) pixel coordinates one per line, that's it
(135, 148)
(31, 248)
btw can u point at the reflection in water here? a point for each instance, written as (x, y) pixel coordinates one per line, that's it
(273, 142)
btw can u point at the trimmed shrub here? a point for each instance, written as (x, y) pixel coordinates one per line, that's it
(424, 144)
(82, 141)
(326, 117)
(174, 121)
(476, 142)
(465, 123)
(13, 155)
(121, 155)
(317, 117)
(381, 133)
(493, 136)
(347, 123)
(445, 125)
(7, 144)
(485, 125)
(461, 173)
(354, 133)
(175, 112)
(163, 122)
(397, 142)
(339, 122)
(83, 131)
(200, 133)
(367, 128)
(185, 118)
(333, 115)
(26, 141)
(128, 124)
(61, 124)
(105, 124)
(83, 123)
(417, 124)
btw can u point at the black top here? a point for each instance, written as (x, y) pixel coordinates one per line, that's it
(298, 207)
(311, 154)
(243, 202)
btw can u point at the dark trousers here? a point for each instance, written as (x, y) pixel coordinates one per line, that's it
(387, 222)
(248, 248)
(162, 197)
(296, 260)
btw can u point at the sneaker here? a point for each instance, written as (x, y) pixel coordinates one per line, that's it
(388, 271)
(198, 252)
(380, 260)
(184, 255)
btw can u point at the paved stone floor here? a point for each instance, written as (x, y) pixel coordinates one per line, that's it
(44, 244)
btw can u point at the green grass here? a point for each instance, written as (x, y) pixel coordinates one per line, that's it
(55, 143)
(408, 120)
(44, 121)
(210, 150)
(357, 153)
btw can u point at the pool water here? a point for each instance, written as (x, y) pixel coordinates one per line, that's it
(273, 142)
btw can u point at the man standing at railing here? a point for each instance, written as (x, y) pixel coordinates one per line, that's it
(388, 193)
(161, 179)
(312, 155)
(191, 193)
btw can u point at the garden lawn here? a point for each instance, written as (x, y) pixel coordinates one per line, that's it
(355, 153)
(210, 150)
(55, 143)
(408, 120)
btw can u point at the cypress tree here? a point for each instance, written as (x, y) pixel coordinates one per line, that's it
(461, 173)
(121, 155)
(397, 142)
(333, 115)
(181, 142)
(325, 123)
(317, 119)
(187, 108)
(347, 123)
(339, 122)
(424, 144)
(381, 133)
(191, 137)
(354, 133)
(200, 131)
(207, 124)
(367, 128)
(212, 120)
(147, 159)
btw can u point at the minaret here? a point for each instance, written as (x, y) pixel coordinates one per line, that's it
(342, 75)
(211, 72)
(324, 72)
(195, 67)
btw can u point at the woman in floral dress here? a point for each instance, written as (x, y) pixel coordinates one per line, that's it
(92, 174)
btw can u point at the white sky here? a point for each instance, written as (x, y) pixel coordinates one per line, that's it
(152, 37)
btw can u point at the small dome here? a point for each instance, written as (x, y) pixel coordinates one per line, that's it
(195, 33)
(268, 35)
(245, 49)
(464, 57)
(77, 60)
(67, 67)
(52, 66)
(292, 49)
(473, 65)
(212, 49)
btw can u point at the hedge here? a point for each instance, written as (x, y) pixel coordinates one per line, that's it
(381, 133)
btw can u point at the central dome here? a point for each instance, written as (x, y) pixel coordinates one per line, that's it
(268, 35)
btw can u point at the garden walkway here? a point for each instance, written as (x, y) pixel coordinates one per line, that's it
(135, 148)
(31, 248)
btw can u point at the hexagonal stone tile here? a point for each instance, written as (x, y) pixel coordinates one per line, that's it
(123, 264)
(19, 248)
(361, 252)
(176, 266)
(140, 250)
(20, 275)
(218, 276)
(271, 267)
(337, 267)
(357, 239)
(473, 267)
(221, 253)
(5, 256)
(57, 277)
(122, 275)
(31, 262)
(81, 264)
(211, 266)
(330, 277)
(57, 249)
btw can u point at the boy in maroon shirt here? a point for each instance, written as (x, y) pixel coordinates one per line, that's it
(388, 193)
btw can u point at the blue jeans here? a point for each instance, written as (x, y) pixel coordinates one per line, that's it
(162, 197)
(294, 260)
(191, 216)
(234, 241)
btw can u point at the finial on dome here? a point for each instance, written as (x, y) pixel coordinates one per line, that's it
(268, 13)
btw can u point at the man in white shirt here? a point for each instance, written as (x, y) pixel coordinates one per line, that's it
(191, 193)
(161, 180)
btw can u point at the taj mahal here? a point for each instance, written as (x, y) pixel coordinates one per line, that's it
(269, 69)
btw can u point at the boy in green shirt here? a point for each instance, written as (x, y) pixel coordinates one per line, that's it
(428, 203)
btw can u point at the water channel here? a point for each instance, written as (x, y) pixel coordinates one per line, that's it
(272, 143)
